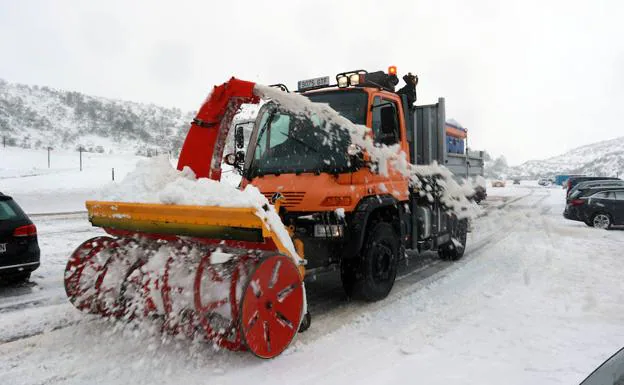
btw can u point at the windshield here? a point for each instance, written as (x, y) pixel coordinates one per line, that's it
(291, 144)
(351, 104)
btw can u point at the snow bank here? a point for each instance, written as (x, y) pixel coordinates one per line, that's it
(438, 178)
(156, 181)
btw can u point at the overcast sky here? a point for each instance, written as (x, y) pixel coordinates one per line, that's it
(530, 79)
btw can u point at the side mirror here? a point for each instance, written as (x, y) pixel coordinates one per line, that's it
(240, 157)
(235, 159)
(230, 159)
(239, 136)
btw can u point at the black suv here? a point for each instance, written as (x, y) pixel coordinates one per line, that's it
(601, 208)
(19, 250)
(574, 180)
(580, 188)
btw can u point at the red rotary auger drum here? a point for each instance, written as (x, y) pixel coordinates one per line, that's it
(237, 299)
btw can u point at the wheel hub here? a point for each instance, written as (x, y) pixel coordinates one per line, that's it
(383, 260)
(601, 221)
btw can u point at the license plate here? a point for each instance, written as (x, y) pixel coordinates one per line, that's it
(3, 247)
(312, 83)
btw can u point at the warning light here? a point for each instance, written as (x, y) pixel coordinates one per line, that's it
(392, 70)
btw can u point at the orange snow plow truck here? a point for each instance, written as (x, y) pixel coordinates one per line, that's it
(225, 274)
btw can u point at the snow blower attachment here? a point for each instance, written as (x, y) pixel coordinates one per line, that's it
(224, 273)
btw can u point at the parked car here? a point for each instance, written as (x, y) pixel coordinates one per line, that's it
(611, 372)
(593, 184)
(516, 180)
(602, 209)
(544, 182)
(573, 181)
(571, 210)
(498, 183)
(19, 249)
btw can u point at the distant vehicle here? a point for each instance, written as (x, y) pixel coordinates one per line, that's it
(602, 209)
(516, 181)
(544, 182)
(593, 184)
(19, 249)
(573, 181)
(498, 183)
(611, 372)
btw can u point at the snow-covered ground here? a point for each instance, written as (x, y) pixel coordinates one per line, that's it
(24, 174)
(536, 300)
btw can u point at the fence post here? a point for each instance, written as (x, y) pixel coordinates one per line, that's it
(80, 150)
(113, 172)
(49, 148)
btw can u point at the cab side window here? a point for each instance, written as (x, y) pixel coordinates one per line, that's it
(386, 121)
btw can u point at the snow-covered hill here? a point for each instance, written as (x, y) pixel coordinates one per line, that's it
(38, 117)
(604, 158)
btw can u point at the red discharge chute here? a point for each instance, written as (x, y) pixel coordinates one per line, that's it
(203, 147)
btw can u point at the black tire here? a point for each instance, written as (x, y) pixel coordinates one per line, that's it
(306, 322)
(459, 232)
(602, 221)
(371, 275)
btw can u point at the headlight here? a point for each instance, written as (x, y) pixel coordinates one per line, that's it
(328, 231)
(343, 81)
(354, 79)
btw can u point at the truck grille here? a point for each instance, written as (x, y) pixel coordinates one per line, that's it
(292, 199)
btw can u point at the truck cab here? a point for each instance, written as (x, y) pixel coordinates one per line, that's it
(343, 212)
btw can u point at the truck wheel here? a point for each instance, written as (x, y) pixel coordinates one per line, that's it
(371, 276)
(454, 250)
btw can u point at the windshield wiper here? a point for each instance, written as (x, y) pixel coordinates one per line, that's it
(300, 142)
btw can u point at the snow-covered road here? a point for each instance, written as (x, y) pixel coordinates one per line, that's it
(536, 300)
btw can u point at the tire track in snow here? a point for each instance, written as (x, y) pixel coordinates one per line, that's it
(331, 308)
(339, 311)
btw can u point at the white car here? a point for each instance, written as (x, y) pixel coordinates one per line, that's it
(544, 182)
(498, 183)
